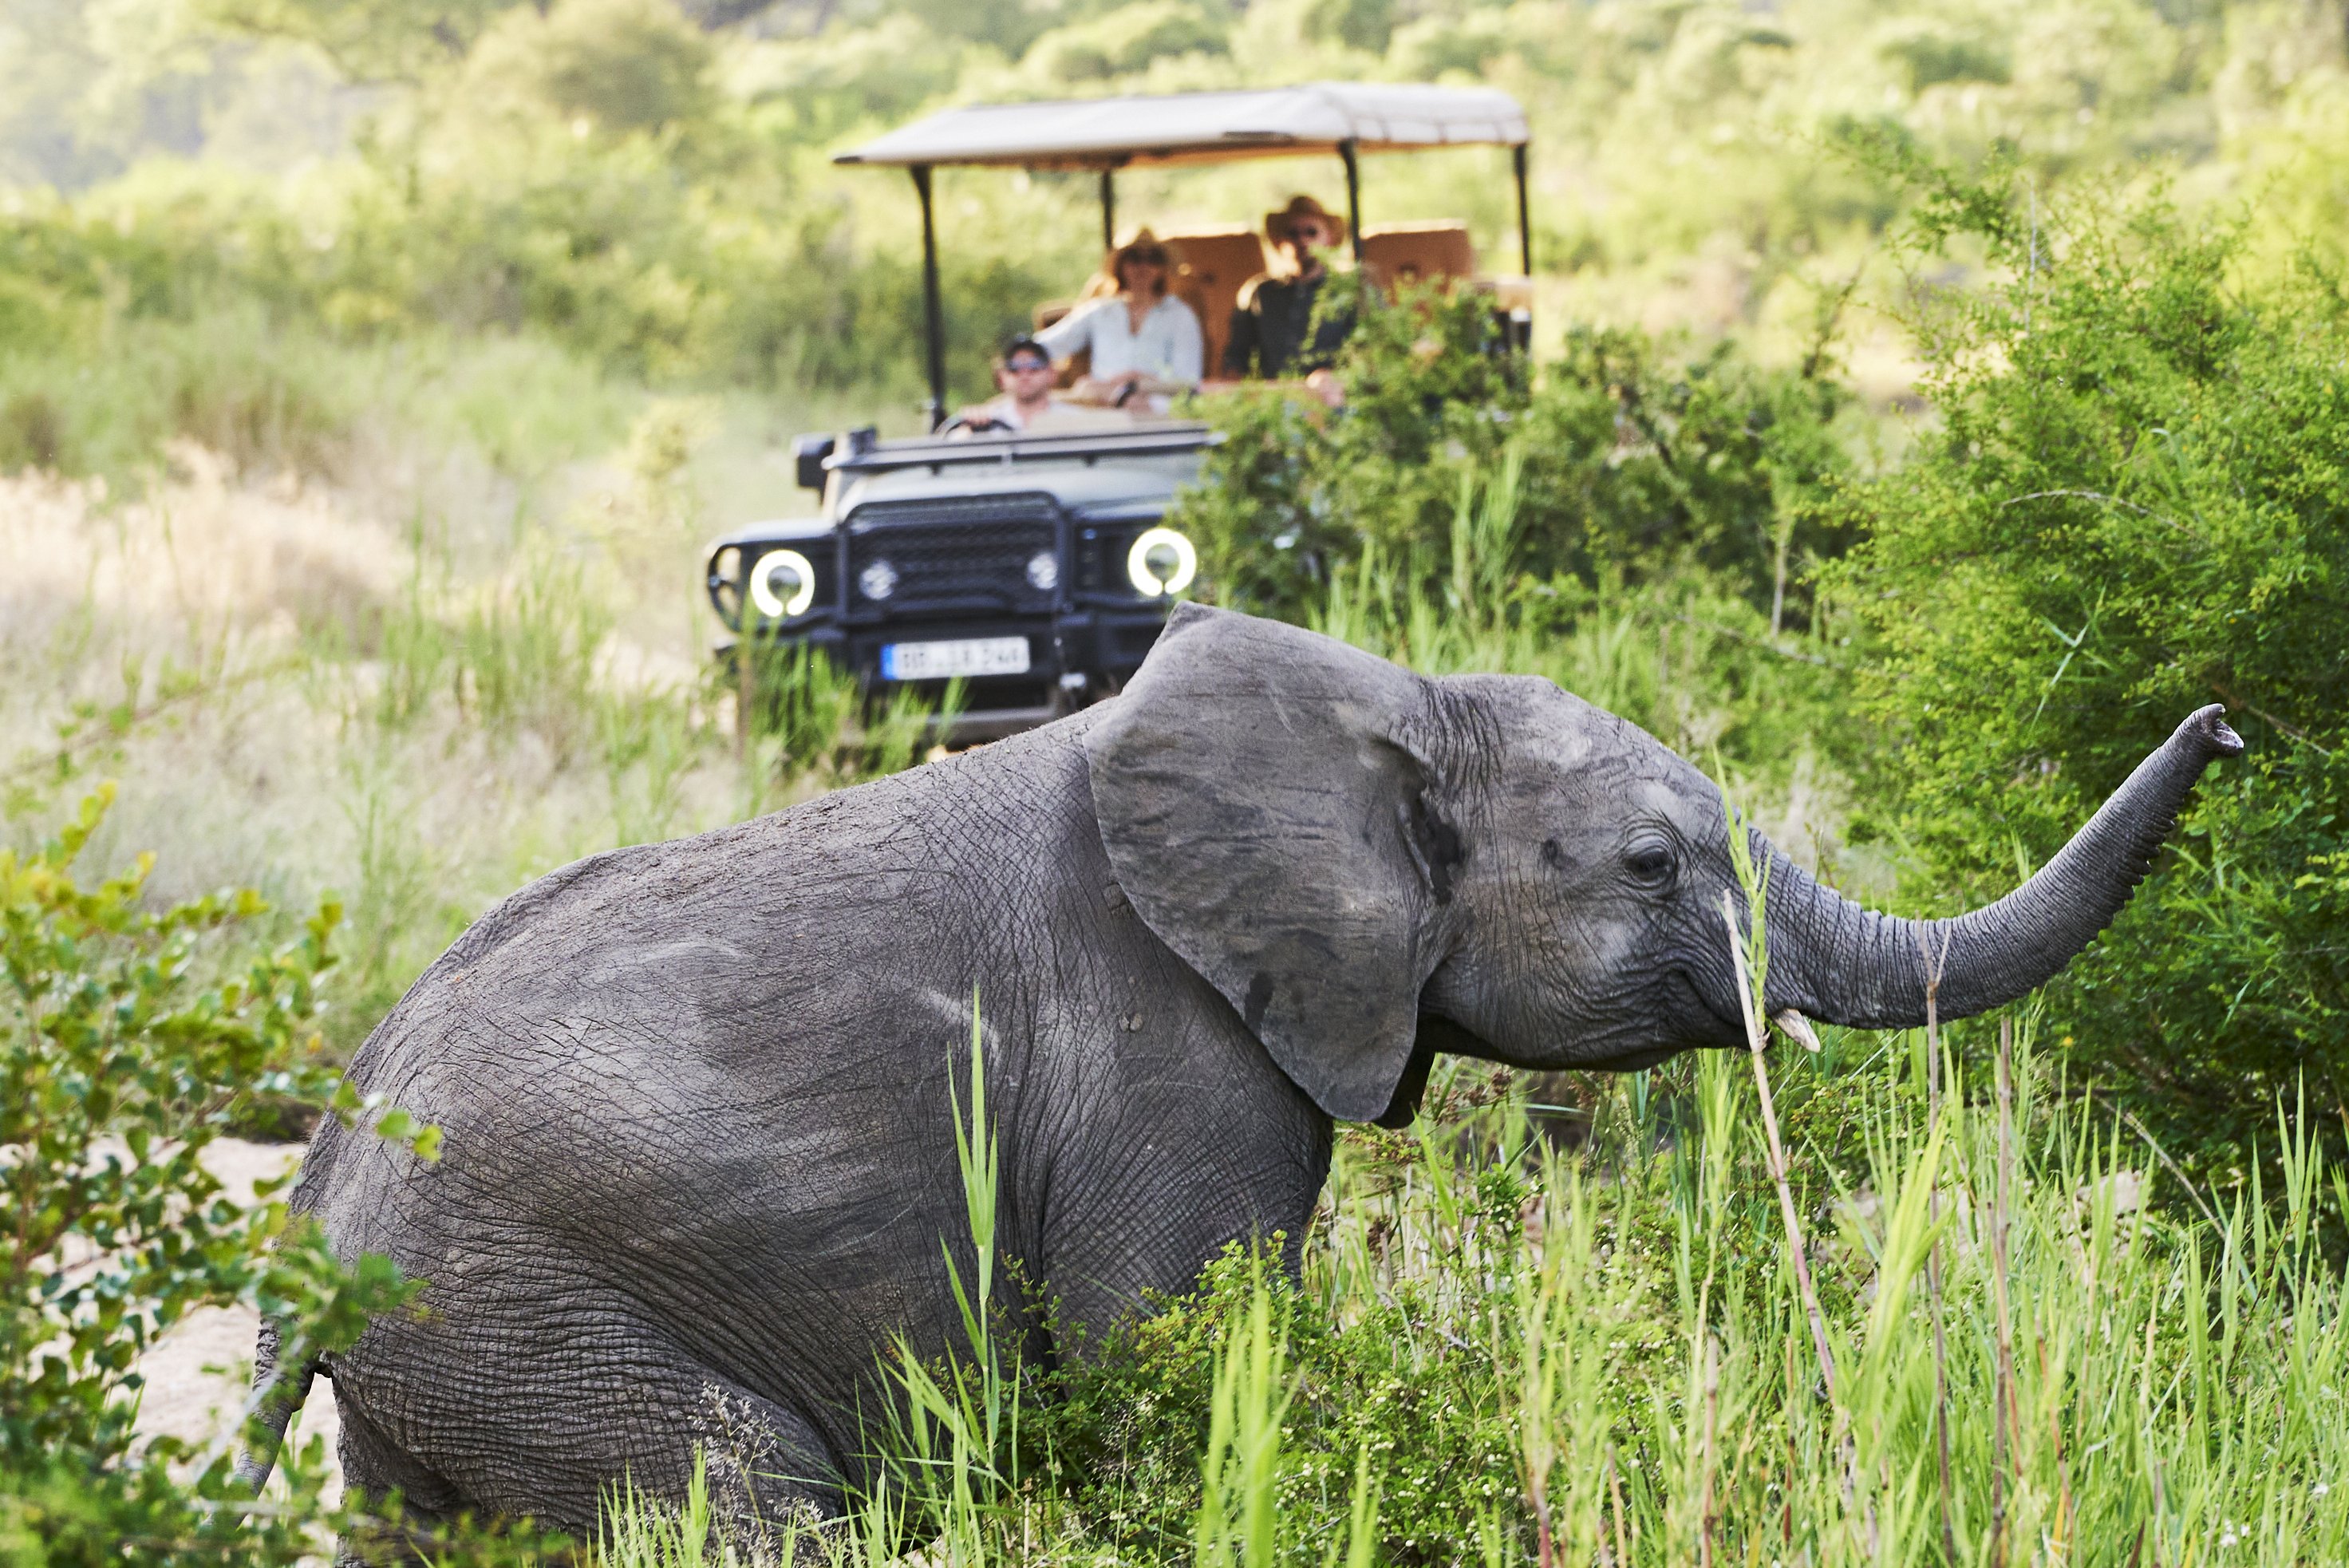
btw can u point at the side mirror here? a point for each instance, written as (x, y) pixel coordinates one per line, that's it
(808, 454)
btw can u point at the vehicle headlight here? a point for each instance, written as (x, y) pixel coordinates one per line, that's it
(782, 584)
(1044, 570)
(1161, 562)
(878, 580)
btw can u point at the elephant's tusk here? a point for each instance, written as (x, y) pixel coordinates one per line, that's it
(1796, 1027)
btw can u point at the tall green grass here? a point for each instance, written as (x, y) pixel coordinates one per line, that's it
(1503, 1351)
(813, 725)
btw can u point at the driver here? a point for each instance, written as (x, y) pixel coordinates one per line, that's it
(1023, 381)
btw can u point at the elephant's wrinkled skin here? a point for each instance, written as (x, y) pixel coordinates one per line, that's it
(698, 1157)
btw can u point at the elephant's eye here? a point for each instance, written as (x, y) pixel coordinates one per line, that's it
(1651, 864)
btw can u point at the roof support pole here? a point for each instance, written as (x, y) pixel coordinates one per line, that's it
(1525, 213)
(934, 326)
(1109, 210)
(1347, 151)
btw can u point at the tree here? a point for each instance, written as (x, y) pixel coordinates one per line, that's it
(368, 40)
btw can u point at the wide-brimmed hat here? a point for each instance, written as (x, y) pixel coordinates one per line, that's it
(1141, 242)
(1276, 225)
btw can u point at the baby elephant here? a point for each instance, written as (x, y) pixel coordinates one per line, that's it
(697, 1097)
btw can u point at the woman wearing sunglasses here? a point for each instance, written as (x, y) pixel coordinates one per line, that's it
(1146, 343)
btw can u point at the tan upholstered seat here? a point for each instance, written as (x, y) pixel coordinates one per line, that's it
(1210, 265)
(1403, 254)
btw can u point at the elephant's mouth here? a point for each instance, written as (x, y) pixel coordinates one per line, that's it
(1732, 1026)
(1661, 1020)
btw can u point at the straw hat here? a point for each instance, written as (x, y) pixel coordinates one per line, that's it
(1276, 225)
(1141, 242)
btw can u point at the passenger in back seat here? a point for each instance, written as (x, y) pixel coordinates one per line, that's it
(1273, 332)
(1146, 343)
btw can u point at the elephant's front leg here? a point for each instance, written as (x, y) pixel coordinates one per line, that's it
(1203, 1144)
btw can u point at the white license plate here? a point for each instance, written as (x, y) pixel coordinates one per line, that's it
(944, 660)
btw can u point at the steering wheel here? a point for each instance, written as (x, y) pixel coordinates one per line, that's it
(969, 424)
(725, 589)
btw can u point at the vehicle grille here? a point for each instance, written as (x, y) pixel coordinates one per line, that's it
(962, 553)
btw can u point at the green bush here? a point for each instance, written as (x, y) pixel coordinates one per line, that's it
(816, 90)
(129, 1039)
(2135, 504)
(1635, 462)
(1121, 1439)
(1681, 654)
(1126, 40)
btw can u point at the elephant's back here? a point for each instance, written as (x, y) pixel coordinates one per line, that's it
(733, 929)
(717, 1064)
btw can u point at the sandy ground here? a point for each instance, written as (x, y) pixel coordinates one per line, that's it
(196, 1374)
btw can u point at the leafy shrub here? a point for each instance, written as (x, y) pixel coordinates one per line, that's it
(816, 90)
(2136, 504)
(1681, 654)
(1364, 24)
(1934, 55)
(1634, 461)
(371, 40)
(1428, 46)
(1122, 1436)
(129, 1041)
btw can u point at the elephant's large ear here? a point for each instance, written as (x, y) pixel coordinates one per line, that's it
(1270, 814)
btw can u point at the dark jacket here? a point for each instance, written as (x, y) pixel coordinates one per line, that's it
(1272, 328)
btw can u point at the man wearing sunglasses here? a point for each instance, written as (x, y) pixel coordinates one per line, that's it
(1272, 328)
(1023, 381)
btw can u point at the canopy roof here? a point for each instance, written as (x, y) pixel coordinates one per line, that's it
(1202, 127)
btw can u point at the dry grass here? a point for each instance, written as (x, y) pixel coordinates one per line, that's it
(326, 692)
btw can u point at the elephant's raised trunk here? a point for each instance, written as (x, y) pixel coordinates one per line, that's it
(1837, 961)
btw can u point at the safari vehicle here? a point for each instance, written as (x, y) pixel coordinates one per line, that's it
(1037, 568)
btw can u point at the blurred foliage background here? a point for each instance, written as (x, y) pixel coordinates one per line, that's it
(645, 185)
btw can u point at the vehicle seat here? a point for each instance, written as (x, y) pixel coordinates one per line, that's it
(1078, 364)
(1405, 254)
(1210, 265)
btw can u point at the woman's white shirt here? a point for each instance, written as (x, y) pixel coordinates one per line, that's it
(1168, 348)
